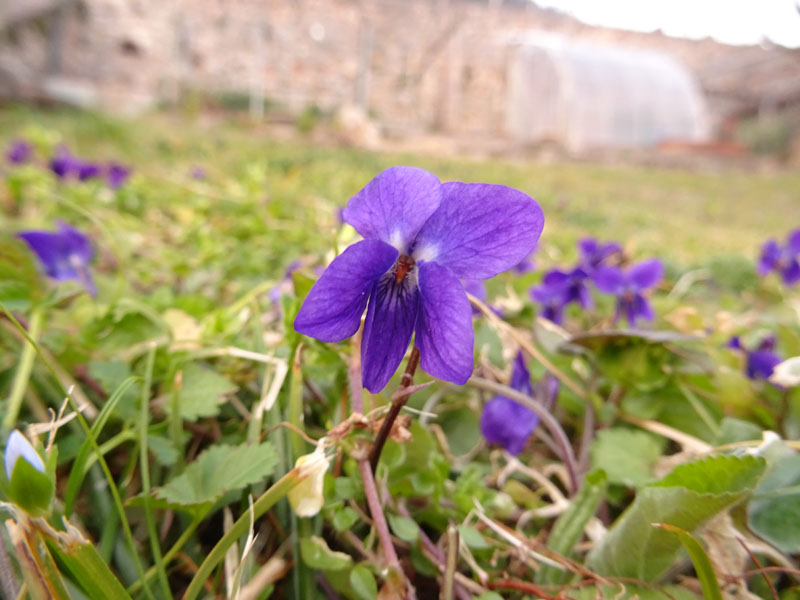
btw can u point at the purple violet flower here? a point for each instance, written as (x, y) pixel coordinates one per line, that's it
(19, 152)
(594, 254)
(628, 286)
(63, 163)
(421, 237)
(550, 294)
(64, 254)
(760, 362)
(509, 423)
(117, 175)
(782, 259)
(86, 170)
(198, 173)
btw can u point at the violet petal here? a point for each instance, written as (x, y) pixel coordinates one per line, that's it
(333, 308)
(394, 205)
(390, 321)
(507, 423)
(444, 333)
(480, 229)
(645, 274)
(610, 280)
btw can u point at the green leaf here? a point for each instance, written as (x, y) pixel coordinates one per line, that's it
(702, 564)
(344, 518)
(473, 538)
(30, 489)
(568, 529)
(218, 470)
(688, 498)
(774, 511)
(87, 567)
(317, 555)
(404, 528)
(20, 283)
(626, 455)
(202, 391)
(163, 450)
(363, 582)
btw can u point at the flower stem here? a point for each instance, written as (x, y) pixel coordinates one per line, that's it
(374, 503)
(567, 454)
(24, 369)
(398, 402)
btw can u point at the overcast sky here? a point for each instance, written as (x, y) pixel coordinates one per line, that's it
(727, 21)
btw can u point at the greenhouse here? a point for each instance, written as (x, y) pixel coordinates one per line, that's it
(584, 96)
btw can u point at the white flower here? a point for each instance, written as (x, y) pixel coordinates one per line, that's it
(18, 446)
(306, 497)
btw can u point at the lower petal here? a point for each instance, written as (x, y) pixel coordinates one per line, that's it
(390, 322)
(444, 325)
(333, 308)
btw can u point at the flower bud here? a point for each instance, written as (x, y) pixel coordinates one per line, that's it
(29, 485)
(306, 498)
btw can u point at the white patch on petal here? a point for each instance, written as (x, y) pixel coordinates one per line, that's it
(396, 240)
(19, 447)
(426, 253)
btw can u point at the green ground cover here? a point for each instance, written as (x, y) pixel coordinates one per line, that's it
(188, 342)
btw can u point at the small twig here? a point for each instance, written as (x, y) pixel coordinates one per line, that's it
(520, 586)
(528, 347)
(450, 566)
(755, 560)
(586, 438)
(378, 519)
(567, 454)
(398, 401)
(354, 376)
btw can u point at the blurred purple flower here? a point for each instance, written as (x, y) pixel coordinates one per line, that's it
(527, 264)
(198, 173)
(19, 152)
(116, 175)
(86, 170)
(285, 284)
(421, 237)
(760, 362)
(628, 286)
(550, 294)
(509, 423)
(64, 254)
(594, 254)
(781, 259)
(63, 163)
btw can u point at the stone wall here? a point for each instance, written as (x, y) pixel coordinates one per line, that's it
(414, 64)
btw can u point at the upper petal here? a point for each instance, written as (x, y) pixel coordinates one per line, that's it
(520, 376)
(444, 333)
(480, 229)
(793, 242)
(53, 251)
(333, 308)
(770, 254)
(390, 322)
(646, 274)
(610, 280)
(394, 205)
(508, 423)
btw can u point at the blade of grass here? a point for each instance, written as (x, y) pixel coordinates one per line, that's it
(23, 374)
(144, 468)
(702, 564)
(81, 464)
(275, 492)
